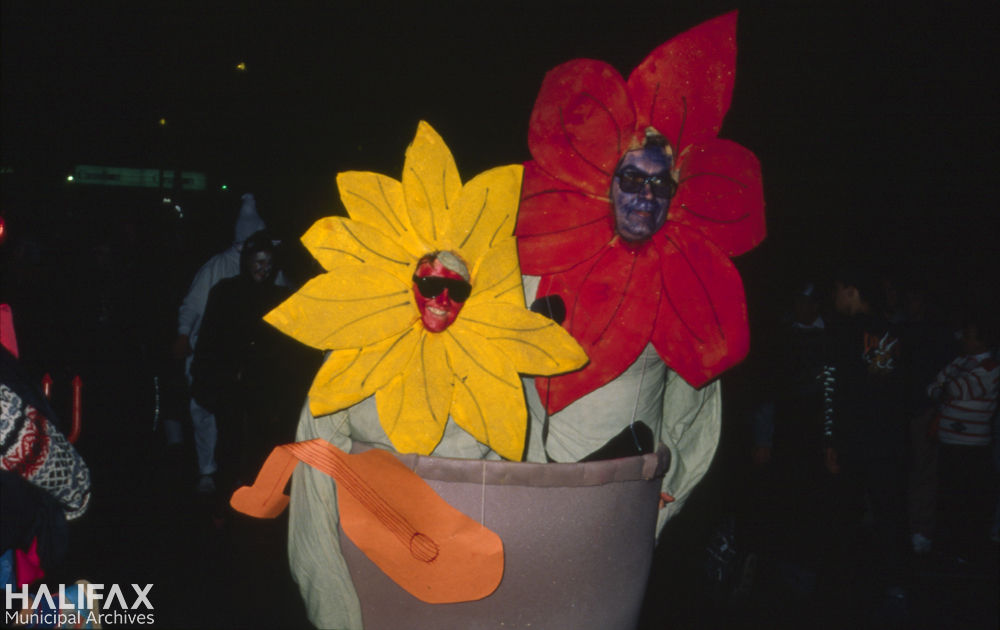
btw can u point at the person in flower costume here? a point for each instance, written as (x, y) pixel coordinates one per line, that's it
(395, 331)
(423, 312)
(630, 212)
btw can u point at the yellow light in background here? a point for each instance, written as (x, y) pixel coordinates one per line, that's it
(241, 66)
(70, 178)
(163, 121)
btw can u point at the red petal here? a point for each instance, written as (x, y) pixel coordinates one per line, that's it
(611, 303)
(684, 87)
(547, 253)
(558, 227)
(582, 122)
(701, 329)
(721, 194)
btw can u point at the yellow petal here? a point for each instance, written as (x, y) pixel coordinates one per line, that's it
(335, 242)
(413, 408)
(496, 278)
(489, 398)
(354, 306)
(535, 344)
(377, 200)
(349, 376)
(430, 185)
(486, 211)
(324, 400)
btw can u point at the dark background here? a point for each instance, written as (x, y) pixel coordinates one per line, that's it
(876, 125)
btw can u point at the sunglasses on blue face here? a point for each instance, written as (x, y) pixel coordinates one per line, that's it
(631, 181)
(432, 286)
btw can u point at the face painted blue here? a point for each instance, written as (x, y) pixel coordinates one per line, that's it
(640, 215)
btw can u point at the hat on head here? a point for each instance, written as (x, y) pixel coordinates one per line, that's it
(249, 221)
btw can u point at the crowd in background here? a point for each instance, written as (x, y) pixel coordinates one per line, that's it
(915, 482)
(871, 425)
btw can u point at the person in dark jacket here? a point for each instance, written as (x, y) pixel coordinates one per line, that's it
(864, 427)
(249, 375)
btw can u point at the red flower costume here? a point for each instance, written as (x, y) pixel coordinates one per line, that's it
(677, 289)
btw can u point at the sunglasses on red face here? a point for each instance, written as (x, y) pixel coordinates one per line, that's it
(634, 181)
(432, 286)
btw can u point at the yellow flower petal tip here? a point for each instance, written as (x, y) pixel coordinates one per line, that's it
(363, 308)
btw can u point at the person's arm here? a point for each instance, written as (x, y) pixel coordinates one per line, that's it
(57, 467)
(691, 426)
(974, 381)
(317, 564)
(193, 306)
(937, 387)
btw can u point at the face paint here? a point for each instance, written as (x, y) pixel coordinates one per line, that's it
(639, 215)
(439, 311)
(260, 266)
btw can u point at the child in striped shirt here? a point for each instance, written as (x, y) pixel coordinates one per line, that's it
(966, 391)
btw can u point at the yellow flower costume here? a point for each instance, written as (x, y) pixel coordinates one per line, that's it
(363, 308)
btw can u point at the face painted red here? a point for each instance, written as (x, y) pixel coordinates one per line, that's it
(438, 311)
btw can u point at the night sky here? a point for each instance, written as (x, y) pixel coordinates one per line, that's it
(876, 128)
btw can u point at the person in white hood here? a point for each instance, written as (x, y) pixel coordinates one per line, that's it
(223, 265)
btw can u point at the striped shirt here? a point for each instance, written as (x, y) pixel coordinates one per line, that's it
(971, 384)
